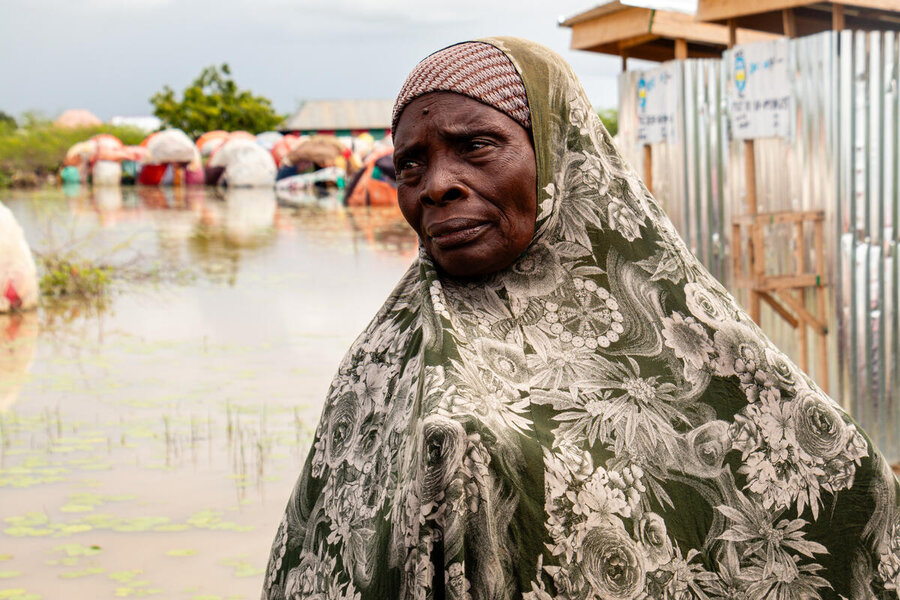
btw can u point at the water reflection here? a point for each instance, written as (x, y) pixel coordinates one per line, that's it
(177, 414)
(18, 342)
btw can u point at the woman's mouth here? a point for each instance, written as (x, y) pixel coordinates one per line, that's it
(455, 232)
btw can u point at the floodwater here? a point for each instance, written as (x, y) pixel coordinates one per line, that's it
(148, 445)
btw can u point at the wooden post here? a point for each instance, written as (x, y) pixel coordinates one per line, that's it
(648, 167)
(799, 253)
(624, 60)
(822, 343)
(837, 17)
(681, 49)
(789, 23)
(756, 255)
(732, 33)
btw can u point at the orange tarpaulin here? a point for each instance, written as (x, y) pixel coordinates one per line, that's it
(369, 191)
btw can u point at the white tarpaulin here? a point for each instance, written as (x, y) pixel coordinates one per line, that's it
(759, 91)
(657, 102)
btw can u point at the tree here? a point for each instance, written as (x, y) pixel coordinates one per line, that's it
(7, 121)
(213, 101)
(610, 118)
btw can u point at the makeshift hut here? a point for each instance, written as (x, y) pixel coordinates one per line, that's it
(375, 184)
(209, 141)
(283, 147)
(106, 163)
(268, 139)
(243, 163)
(77, 118)
(171, 158)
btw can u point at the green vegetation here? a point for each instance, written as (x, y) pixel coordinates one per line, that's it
(610, 119)
(213, 101)
(71, 278)
(7, 121)
(37, 148)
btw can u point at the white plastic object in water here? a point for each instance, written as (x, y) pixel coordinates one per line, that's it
(170, 146)
(246, 164)
(18, 274)
(106, 172)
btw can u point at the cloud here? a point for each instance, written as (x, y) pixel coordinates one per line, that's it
(111, 56)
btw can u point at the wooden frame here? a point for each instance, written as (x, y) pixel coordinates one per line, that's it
(785, 293)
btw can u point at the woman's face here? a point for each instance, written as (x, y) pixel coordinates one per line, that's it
(466, 182)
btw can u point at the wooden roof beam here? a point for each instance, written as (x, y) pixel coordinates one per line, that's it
(612, 28)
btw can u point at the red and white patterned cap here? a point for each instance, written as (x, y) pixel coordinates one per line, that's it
(474, 69)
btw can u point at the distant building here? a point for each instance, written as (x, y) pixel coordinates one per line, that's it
(145, 123)
(341, 118)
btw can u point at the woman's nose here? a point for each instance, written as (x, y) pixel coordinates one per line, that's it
(442, 185)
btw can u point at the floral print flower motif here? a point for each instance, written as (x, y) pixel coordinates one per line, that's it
(622, 218)
(705, 305)
(535, 273)
(580, 416)
(688, 339)
(889, 561)
(787, 580)
(650, 532)
(682, 577)
(640, 410)
(505, 361)
(612, 564)
(665, 264)
(821, 431)
(314, 578)
(756, 534)
(739, 354)
(438, 302)
(792, 450)
(481, 393)
(557, 366)
(342, 425)
(781, 368)
(586, 315)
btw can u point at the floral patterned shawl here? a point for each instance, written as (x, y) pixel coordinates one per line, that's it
(601, 420)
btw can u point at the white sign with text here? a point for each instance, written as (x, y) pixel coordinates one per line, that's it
(657, 101)
(759, 93)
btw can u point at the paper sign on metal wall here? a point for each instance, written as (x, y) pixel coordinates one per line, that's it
(657, 102)
(759, 91)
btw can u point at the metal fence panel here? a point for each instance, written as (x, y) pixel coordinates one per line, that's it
(844, 158)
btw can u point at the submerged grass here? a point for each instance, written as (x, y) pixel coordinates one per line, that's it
(73, 278)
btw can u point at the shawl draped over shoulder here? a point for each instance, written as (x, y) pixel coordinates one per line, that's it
(600, 420)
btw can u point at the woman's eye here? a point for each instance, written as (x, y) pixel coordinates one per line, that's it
(405, 165)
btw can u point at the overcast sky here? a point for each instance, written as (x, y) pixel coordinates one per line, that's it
(110, 56)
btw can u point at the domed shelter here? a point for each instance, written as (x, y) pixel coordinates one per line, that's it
(171, 151)
(77, 118)
(244, 163)
(18, 275)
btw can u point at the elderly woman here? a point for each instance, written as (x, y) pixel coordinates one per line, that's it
(558, 400)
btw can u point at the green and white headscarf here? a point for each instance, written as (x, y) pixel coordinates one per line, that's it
(599, 421)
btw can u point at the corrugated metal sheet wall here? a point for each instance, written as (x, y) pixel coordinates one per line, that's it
(843, 157)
